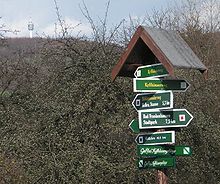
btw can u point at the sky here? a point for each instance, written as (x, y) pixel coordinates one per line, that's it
(16, 14)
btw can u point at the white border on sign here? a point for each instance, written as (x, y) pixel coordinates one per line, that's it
(155, 90)
(148, 66)
(158, 92)
(166, 126)
(159, 143)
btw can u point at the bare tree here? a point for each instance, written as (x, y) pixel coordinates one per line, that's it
(4, 29)
(101, 32)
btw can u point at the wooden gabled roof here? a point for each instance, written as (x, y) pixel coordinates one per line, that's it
(150, 46)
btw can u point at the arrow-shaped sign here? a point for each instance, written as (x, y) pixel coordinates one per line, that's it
(156, 84)
(163, 150)
(150, 163)
(134, 126)
(156, 138)
(158, 100)
(155, 70)
(164, 118)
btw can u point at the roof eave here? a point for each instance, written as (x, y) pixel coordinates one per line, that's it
(124, 56)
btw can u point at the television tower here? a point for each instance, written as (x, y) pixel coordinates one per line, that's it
(30, 28)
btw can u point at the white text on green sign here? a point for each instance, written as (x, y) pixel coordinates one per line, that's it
(164, 118)
(156, 138)
(156, 84)
(151, 163)
(157, 100)
(155, 70)
(163, 150)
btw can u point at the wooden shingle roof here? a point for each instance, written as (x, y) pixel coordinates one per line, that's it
(150, 46)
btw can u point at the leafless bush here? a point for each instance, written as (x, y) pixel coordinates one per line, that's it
(66, 122)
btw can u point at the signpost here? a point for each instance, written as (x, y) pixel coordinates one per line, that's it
(156, 84)
(158, 100)
(155, 109)
(164, 118)
(168, 150)
(152, 163)
(156, 138)
(155, 70)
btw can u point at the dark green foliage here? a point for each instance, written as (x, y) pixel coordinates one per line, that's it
(66, 122)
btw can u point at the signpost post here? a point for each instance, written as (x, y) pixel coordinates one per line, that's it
(164, 118)
(158, 100)
(156, 84)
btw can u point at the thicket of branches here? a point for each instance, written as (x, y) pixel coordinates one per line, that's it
(64, 121)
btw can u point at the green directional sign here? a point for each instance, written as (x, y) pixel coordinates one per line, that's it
(164, 118)
(156, 84)
(158, 100)
(155, 70)
(156, 138)
(156, 163)
(134, 126)
(164, 150)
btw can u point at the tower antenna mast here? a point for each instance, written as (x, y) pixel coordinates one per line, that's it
(30, 28)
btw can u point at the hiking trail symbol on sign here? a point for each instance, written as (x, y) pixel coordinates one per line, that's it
(187, 151)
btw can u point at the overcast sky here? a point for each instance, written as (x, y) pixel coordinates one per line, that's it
(17, 13)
